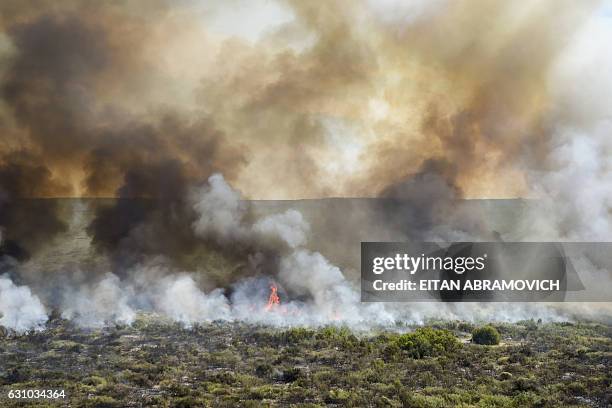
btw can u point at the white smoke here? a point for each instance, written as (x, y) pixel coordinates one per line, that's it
(329, 297)
(289, 227)
(107, 301)
(577, 182)
(220, 211)
(310, 273)
(181, 300)
(152, 289)
(20, 309)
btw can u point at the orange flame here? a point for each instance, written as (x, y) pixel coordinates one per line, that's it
(273, 300)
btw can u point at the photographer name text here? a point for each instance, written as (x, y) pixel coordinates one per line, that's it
(475, 285)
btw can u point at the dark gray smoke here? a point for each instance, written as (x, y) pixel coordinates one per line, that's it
(26, 224)
(52, 88)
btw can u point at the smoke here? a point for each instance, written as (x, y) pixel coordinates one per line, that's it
(289, 228)
(152, 288)
(105, 302)
(353, 98)
(575, 174)
(420, 104)
(309, 273)
(430, 206)
(27, 224)
(314, 291)
(184, 302)
(68, 136)
(221, 211)
(223, 215)
(326, 294)
(20, 309)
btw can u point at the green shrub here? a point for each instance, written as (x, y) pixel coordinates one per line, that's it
(297, 335)
(524, 384)
(187, 402)
(343, 337)
(102, 402)
(391, 351)
(576, 388)
(487, 335)
(426, 342)
(337, 396)
(530, 325)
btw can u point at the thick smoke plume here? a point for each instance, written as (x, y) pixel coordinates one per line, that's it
(327, 295)
(420, 104)
(314, 291)
(109, 102)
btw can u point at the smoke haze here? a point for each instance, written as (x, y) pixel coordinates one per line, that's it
(183, 112)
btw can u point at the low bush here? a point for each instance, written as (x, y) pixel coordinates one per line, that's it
(487, 335)
(427, 342)
(297, 335)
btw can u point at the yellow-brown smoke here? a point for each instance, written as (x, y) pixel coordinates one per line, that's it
(329, 99)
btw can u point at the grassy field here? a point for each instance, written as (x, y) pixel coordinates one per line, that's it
(152, 363)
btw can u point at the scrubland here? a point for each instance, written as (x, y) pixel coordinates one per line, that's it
(158, 364)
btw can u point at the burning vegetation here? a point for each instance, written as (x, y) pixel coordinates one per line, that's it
(273, 299)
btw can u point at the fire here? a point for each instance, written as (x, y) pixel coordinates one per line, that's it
(273, 300)
(274, 304)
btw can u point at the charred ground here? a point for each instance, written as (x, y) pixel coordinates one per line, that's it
(153, 363)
